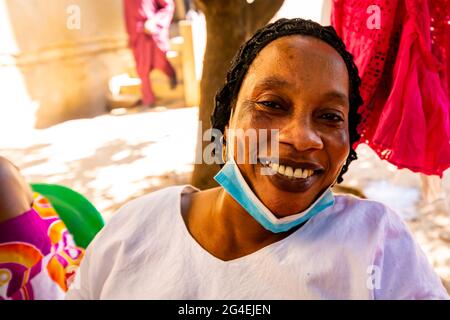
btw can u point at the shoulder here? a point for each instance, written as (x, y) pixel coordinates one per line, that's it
(363, 222)
(135, 232)
(400, 268)
(372, 213)
(349, 208)
(140, 224)
(142, 215)
(16, 195)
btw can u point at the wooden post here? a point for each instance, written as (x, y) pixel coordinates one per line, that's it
(190, 82)
(180, 10)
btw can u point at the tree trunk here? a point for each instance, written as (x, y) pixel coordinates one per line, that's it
(228, 24)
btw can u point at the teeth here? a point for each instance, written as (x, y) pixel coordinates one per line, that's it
(289, 171)
(274, 166)
(305, 174)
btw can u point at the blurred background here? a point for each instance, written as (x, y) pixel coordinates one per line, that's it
(71, 111)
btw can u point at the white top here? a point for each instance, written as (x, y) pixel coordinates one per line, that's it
(356, 249)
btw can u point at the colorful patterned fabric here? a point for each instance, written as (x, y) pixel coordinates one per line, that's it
(38, 257)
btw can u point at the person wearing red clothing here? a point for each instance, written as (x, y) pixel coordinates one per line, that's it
(147, 24)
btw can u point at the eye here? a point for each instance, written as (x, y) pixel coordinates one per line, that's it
(334, 117)
(270, 104)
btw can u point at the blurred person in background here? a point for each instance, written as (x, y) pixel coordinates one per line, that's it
(147, 24)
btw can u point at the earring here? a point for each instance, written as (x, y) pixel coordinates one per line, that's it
(224, 149)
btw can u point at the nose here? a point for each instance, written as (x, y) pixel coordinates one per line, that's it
(302, 135)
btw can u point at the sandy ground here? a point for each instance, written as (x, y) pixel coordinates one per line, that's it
(114, 158)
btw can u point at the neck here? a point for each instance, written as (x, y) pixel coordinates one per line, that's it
(239, 226)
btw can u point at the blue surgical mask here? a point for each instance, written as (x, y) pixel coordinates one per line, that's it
(231, 179)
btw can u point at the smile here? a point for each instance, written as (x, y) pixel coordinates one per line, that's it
(292, 176)
(293, 171)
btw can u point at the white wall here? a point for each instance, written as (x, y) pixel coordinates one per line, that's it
(49, 72)
(316, 10)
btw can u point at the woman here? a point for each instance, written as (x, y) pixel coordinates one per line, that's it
(147, 23)
(282, 235)
(38, 257)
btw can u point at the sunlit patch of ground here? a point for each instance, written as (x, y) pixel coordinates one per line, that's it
(111, 159)
(114, 158)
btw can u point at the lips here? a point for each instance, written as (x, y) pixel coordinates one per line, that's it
(292, 169)
(292, 176)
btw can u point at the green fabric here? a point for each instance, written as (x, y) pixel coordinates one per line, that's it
(79, 215)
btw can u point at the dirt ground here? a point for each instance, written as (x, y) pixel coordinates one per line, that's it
(114, 158)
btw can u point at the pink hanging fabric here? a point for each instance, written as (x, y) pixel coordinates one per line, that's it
(404, 66)
(149, 49)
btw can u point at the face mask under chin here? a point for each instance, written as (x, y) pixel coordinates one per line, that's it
(231, 179)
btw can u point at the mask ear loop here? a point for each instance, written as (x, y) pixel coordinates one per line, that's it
(226, 153)
(223, 143)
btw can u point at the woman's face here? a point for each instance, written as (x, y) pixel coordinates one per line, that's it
(298, 85)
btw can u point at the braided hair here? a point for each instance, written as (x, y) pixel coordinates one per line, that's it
(226, 97)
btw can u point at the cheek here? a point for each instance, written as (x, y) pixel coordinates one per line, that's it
(251, 116)
(251, 121)
(264, 120)
(338, 146)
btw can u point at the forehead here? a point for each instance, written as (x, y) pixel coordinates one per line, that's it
(303, 62)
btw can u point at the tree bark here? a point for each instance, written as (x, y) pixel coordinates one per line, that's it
(228, 24)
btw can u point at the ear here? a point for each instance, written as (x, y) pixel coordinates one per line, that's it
(225, 133)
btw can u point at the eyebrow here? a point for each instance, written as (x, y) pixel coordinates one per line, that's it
(271, 82)
(336, 95)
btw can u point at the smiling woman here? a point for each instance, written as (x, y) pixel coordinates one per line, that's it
(281, 235)
(298, 85)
